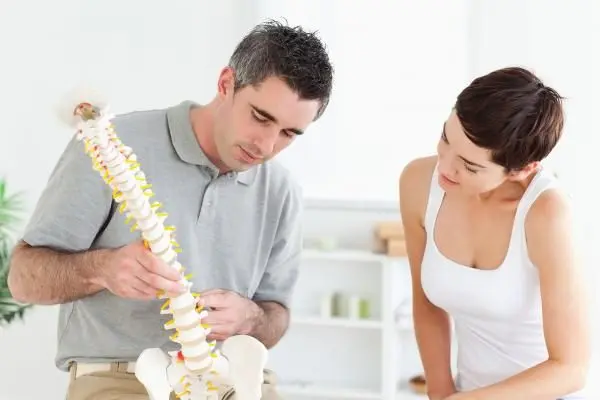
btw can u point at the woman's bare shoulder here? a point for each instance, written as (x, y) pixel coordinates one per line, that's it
(415, 181)
(551, 209)
(551, 212)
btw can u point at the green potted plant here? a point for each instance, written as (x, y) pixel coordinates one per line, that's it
(10, 206)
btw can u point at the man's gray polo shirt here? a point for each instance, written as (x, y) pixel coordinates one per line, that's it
(239, 231)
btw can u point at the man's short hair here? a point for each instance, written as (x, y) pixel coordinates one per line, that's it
(296, 56)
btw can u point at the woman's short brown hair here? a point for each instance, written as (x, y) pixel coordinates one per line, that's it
(513, 114)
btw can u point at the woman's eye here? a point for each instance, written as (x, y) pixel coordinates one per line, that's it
(444, 138)
(471, 170)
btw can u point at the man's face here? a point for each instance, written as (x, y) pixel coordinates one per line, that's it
(256, 123)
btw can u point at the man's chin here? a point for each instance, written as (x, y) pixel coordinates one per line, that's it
(241, 166)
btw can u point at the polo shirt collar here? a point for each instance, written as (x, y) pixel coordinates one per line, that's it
(187, 147)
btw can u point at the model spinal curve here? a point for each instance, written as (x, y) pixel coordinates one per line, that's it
(121, 170)
(197, 370)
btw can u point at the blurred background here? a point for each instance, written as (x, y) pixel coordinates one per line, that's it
(399, 66)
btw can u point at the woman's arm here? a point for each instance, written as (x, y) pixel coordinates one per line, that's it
(565, 310)
(432, 325)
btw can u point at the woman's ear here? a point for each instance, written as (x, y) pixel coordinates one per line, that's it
(518, 175)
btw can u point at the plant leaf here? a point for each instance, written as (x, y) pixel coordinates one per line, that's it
(10, 206)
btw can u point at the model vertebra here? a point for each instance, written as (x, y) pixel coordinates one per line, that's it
(197, 369)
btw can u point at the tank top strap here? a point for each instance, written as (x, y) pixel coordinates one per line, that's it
(434, 201)
(543, 180)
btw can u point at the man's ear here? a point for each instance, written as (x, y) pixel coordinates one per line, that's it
(518, 175)
(226, 82)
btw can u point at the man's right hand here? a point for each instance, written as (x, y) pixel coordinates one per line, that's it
(133, 272)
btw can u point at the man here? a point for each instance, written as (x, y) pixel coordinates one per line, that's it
(237, 214)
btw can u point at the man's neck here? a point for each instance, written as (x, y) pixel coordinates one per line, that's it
(202, 120)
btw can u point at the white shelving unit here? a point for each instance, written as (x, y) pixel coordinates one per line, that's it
(338, 357)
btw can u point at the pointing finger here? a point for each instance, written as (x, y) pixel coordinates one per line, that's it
(213, 300)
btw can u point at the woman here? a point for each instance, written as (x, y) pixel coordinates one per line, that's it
(490, 248)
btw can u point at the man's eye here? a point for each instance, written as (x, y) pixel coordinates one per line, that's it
(259, 118)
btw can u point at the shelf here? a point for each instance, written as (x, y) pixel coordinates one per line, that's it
(410, 395)
(344, 255)
(316, 391)
(405, 324)
(338, 322)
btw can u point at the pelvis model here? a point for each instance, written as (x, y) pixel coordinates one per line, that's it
(197, 371)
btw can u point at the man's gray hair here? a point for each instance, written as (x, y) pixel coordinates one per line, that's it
(273, 49)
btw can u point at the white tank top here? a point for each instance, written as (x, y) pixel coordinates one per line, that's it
(497, 314)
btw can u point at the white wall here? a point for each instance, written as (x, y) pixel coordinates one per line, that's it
(140, 54)
(399, 65)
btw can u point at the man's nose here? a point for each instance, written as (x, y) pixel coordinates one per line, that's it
(265, 143)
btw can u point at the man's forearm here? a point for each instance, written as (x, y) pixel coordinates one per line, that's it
(44, 276)
(271, 323)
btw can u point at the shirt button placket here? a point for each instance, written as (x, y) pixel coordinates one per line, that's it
(208, 202)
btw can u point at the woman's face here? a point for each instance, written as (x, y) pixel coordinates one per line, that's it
(463, 166)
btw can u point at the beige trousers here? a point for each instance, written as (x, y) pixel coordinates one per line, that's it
(117, 384)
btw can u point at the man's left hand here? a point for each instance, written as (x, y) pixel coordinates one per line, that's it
(229, 313)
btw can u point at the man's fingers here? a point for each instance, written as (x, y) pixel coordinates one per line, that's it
(140, 290)
(216, 318)
(155, 265)
(214, 291)
(158, 283)
(214, 300)
(219, 332)
(217, 337)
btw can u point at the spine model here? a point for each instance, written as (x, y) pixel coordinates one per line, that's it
(120, 170)
(197, 371)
